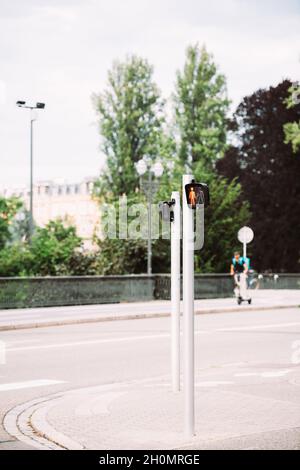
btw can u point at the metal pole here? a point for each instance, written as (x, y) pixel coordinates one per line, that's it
(188, 313)
(244, 250)
(31, 180)
(149, 258)
(175, 292)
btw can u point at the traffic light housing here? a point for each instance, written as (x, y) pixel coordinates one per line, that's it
(166, 210)
(197, 194)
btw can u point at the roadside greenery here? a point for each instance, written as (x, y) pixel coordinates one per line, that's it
(292, 129)
(249, 162)
(269, 173)
(54, 250)
(193, 140)
(8, 210)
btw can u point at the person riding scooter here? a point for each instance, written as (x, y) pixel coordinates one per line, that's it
(239, 269)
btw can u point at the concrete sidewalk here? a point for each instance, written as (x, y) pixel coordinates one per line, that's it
(146, 414)
(55, 316)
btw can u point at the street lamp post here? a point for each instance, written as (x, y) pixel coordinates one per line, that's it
(149, 185)
(22, 104)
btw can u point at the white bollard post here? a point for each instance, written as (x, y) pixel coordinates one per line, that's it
(175, 291)
(188, 313)
(244, 250)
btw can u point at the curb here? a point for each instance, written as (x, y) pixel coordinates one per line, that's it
(138, 316)
(28, 423)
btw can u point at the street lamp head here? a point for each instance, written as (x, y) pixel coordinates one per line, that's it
(20, 103)
(40, 105)
(141, 167)
(158, 169)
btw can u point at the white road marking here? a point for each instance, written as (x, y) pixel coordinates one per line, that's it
(213, 383)
(96, 341)
(233, 364)
(143, 337)
(28, 384)
(259, 327)
(88, 342)
(267, 374)
(277, 373)
(246, 374)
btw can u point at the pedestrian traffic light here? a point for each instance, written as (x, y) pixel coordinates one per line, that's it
(197, 194)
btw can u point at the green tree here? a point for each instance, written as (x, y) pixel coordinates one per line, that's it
(197, 141)
(269, 174)
(53, 248)
(15, 260)
(130, 118)
(292, 129)
(121, 256)
(8, 210)
(227, 213)
(201, 106)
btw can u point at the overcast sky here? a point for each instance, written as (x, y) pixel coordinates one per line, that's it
(59, 51)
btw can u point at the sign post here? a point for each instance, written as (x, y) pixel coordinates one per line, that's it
(245, 235)
(188, 310)
(175, 290)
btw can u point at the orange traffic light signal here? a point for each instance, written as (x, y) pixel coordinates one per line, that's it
(197, 194)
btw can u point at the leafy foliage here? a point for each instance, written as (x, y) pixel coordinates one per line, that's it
(121, 256)
(54, 250)
(269, 174)
(130, 116)
(197, 140)
(292, 129)
(227, 213)
(8, 210)
(201, 105)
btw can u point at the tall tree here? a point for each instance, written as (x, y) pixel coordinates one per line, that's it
(269, 172)
(201, 106)
(130, 117)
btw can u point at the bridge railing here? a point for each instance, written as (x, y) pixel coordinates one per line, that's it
(82, 290)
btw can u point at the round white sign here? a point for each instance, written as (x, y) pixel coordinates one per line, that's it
(245, 235)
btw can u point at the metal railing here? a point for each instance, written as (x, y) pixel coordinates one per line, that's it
(82, 290)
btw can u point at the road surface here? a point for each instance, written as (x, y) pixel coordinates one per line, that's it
(250, 355)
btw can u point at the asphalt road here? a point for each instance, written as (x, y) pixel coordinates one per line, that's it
(42, 361)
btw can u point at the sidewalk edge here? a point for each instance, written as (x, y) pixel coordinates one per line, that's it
(140, 316)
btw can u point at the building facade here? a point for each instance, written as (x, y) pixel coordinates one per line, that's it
(72, 202)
